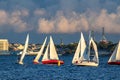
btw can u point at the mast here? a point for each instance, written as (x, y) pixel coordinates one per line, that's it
(80, 45)
(89, 45)
(92, 34)
(103, 35)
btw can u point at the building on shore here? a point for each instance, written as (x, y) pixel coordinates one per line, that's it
(4, 45)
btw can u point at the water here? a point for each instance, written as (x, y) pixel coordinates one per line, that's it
(9, 70)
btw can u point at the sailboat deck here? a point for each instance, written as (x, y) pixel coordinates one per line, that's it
(86, 63)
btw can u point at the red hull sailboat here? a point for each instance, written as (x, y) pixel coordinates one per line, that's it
(115, 57)
(50, 56)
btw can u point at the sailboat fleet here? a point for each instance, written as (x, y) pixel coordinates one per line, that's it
(50, 55)
(82, 56)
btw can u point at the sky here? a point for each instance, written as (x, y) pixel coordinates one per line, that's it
(63, 19)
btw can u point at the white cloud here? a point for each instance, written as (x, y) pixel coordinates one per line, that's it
(40, 12)
(17, 24)
(14, 20)
(3, 17)
(20, 21)
(76, 22)
(62, 24)
(44, 24)
(110, 21)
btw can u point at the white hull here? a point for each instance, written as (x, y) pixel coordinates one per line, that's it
(86, 63)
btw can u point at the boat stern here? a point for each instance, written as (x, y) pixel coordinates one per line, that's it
(21, 63)
(36, 62)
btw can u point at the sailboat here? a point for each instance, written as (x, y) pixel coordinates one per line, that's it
(115, 57)
(24, 50)
(36, 60)
(50, 56)
(81, 57)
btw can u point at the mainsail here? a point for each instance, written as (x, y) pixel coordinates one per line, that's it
(41, 51)
(77, 53)
(24, 50)
(116, 54)
(45, 57)
(80, 49)
(53, 53)
(95, 49)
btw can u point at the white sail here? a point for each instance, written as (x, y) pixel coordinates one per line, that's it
(45, 57)
(82, 47)
(41, 51)
(88, 58)
(53, 53)
(114, 54)
(24, 50)
(84, 59)
(118, 52)
(77, 53)
(96, 51)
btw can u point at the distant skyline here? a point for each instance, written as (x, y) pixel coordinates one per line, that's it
(62, 18)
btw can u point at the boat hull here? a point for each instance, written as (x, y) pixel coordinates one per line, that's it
(21, 63)
(114, 63)
(35, 62)
(52, 62)
(86, 63)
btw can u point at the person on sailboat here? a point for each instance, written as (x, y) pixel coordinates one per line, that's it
(76, 61)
